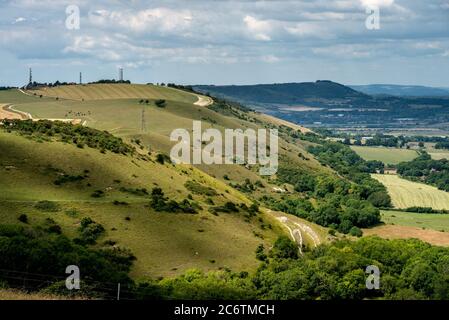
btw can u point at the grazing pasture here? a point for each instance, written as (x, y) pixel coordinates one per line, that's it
(386, 155)
(438, 222)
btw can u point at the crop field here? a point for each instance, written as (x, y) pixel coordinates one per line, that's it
(386, 155)
(436, 154)
(390, 231)
(115, 91)
(405, 193)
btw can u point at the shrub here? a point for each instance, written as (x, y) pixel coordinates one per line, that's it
(97, 194)
(23, 218)
(47, 206)
(356, 232)
(197, 188)
(284, 248)
(160, 103)
(89, 231)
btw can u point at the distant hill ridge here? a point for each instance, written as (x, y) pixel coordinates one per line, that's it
(401, 90)
(284, 92)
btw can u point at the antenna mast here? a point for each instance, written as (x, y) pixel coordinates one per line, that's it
(120, 74)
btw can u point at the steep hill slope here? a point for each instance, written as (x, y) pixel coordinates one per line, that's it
(164, 243)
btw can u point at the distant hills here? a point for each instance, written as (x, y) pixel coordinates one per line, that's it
(332, 104)
(401, 90)
(284, 93)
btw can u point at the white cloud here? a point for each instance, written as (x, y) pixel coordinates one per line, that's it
(377, 3)
(19, 20)
(259, 29)
(150, 20)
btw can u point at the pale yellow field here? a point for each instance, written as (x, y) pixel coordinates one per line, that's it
(405, 194)
(115, 91)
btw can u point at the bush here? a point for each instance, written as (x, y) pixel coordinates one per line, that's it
(199, 189)
(160, 103)
(97, 194)
(23, 218)
(284, 248)
(161, 204)
(75, 134)
(47, 206)
(356, 232)
(89, 231)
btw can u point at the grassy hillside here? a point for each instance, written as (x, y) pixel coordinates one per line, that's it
(115, 91)
(204, 240)
(29, 170)
(405, 193)
(386, 155)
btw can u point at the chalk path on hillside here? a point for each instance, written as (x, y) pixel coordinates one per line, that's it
(298, 232)
(27, 116)
(203, 101)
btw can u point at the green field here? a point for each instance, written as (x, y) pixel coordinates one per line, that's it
(386, 155)
(438, 222)
(405, 193)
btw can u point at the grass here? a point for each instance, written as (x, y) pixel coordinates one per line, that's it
(405, 193)
(438, 222)
(165, 244)
(7, 294)
(116, 91)
(431, 228)
(386, 155)
(436, 154)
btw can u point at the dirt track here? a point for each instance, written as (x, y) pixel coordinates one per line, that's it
(7, 113)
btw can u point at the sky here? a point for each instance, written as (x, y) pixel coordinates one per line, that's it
(226, 42)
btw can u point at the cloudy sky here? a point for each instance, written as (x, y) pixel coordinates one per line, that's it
(226, 42)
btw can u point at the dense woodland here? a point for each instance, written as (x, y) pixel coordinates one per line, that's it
(423, 168)
(410, 269)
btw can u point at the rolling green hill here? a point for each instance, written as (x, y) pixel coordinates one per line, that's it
(31, 166)
(29, 170)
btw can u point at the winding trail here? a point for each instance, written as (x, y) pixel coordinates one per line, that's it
(8, 112)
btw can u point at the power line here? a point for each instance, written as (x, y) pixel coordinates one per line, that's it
(144, 123)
